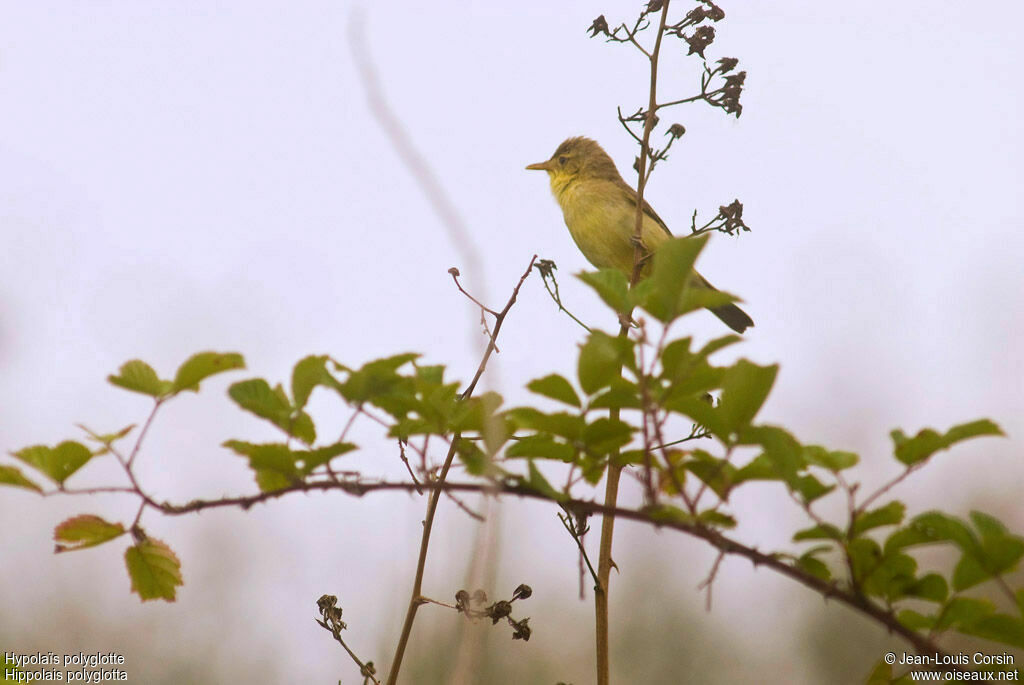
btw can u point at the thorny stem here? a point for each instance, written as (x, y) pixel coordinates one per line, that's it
(709, 582)
(499, 319)
(142, 433)
(884, 489)
(576, 535)
(828, 589)
(416, 598)
(546, 268)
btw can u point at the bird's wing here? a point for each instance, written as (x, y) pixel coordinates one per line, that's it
(630, 193)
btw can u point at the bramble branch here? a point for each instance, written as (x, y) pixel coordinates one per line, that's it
(651, 516)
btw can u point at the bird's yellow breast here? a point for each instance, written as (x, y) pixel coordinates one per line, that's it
(601, 218)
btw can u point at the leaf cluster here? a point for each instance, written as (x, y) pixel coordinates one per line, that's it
(664, 407)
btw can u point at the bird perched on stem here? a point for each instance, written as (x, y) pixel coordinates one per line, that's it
(600, 211)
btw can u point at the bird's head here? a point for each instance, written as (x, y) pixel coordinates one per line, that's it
(577, 159)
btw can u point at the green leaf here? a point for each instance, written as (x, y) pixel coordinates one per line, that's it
(672, 476)
(474, 459)
(568, 426)
(138, 376)
(309, 373)
(927, 442)
(889, 576)
(630, 458)
(601, 360)
(605, 435)
(1000, 552)
(907, 537)
(996, 552)
(694, 298)
(671, 274)
(810, 488)
(915, 620)
(716, 519)
(85, 531)
(612, 285)
(154, 569)
(476, 413)
(256, 396)
(56, 462)
(203, 365)
(962, 612)
(700, 411)
(973, 429)
(556, 387)
(106, 439)
(432, 374)
(968, 573)
(11, 475)
(621, 394)
(832, 460)
(822, 531)
(276, 466)
(689, 374)
(889, 515)
(717, 474)
(935, 526)
(669, 514)
(309, 460)
(998, 627)
(593, 468)
(375, 379)
(864, 555)
(538, 483)
(781, 449)
(931, 587)
(990, 527)
(716, 344)
(678, 361)
(760, 467)
(819, 549)
(915, 533)
(745, 387)
(542, 446)
(814, 566)
(480, 414)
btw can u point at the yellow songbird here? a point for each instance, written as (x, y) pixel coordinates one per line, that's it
(600, 211)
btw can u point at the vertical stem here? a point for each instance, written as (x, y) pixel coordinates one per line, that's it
(611, 492)
(417, 587)
(604, 568)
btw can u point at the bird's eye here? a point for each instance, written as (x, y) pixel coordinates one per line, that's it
(562, 160)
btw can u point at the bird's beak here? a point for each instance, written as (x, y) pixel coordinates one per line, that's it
(540, 166)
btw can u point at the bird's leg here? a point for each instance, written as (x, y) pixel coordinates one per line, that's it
(645, 254)
(638, 242)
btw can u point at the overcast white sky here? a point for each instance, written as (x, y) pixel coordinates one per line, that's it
(184, 176)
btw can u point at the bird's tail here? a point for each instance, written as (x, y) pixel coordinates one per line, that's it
(733, 317)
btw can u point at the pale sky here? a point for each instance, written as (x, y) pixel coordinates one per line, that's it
(176, 177)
